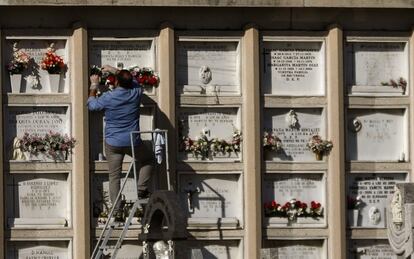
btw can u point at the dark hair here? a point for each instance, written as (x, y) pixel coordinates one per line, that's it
(124, 78)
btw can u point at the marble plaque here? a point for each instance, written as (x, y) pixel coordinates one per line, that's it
(209, 249)
(377, 135)
(293, 249)
(97, 131)
(211, 195)
(370, 249)
(34, 79)
(122, 53)
(38, 250)
(35, 120)
(218, 123)
(293, 68)
(38, 196)
(374, 190)
(302, 186)
(129, 249)
(368, 64)
(309, 122)
(205, 67)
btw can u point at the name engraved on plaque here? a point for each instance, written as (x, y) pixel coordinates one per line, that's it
(372, 249)
(374, 190)
(380, 137)
(129, 53)
(284, 187)
(306, 249)
(38, 250)
(294, 139)
(293, 68)
(218, 122)
(37, 120)
(41, 196)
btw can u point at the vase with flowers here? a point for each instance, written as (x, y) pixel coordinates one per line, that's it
(54, 65)
(18, 63)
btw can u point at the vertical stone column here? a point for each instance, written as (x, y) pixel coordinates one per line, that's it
(80, 168)
(166, 91)
(3, 174)
(336, 132)
(411, 96)
(251, 143)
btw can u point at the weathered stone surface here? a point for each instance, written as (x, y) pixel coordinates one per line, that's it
(225, 3)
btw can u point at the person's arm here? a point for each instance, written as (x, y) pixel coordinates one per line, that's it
(94, 103)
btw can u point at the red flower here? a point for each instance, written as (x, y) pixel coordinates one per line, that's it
(110, 80)
(315, 205)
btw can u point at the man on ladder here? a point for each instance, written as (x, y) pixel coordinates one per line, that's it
(122, 112)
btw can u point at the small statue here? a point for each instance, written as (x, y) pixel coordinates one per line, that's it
(161, 250)
(396, 208)
(205, 74)
(292, 119)
(17, 152)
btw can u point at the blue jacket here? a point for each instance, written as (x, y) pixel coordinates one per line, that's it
(122, 109)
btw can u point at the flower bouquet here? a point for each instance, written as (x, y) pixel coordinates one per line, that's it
(319, 146)
(271, 142)
(293, 209)
(205, 148)
(19, 62)
(15, 67)
(145, 76)
(53, 145)
(52, 62)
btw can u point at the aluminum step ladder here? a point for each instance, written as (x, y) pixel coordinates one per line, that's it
(102, 245)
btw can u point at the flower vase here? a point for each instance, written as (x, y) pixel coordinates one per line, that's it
(15, 82)
(353, 216)
(319, 156)
(54, 82)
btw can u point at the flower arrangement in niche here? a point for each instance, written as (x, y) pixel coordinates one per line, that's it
(271, 142)
(319, 146)
(54, 145)
(52, 62)
(293, 209)
(145, 76)
(400, 83)
(206, 148)
(19, 61)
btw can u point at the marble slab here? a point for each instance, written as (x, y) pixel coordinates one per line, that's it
(370, 249)
(38, 250)
(293, 68)
(209, 198)
(303, 186)
(370, 63)
(377, 135)
(208, 67)
(293, 249)
(214, 122)
(34, 79)
(38, 196)
(35, 120)
(309, 122)
(122, 53)
(374, 190)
